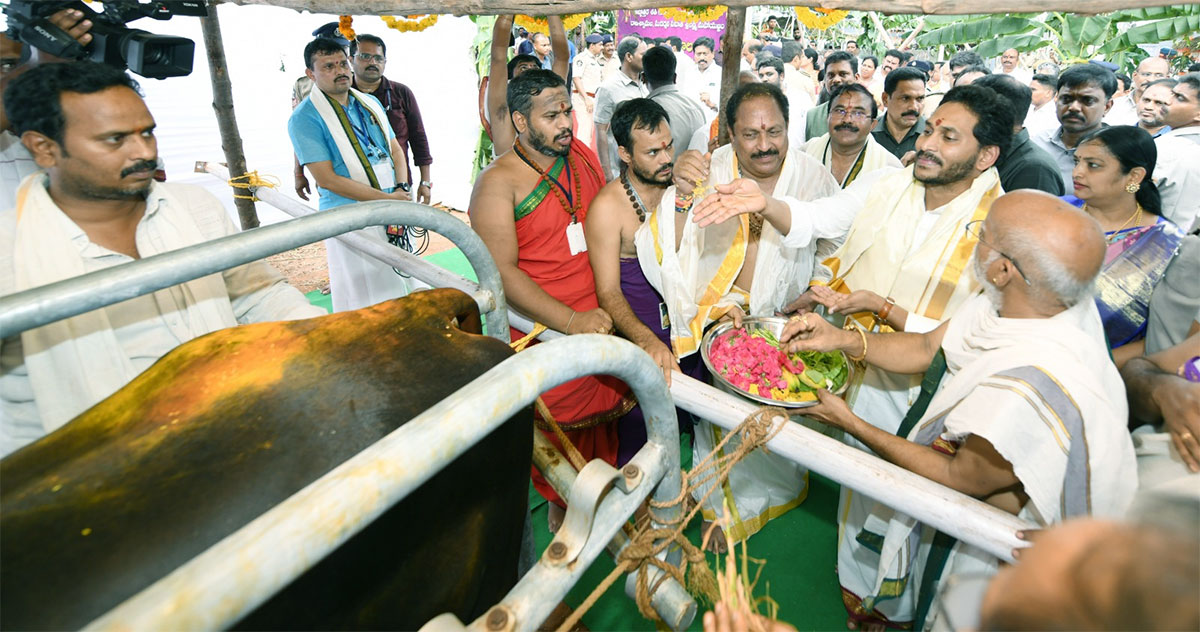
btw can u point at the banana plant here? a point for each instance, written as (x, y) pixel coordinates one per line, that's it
(1074, 38)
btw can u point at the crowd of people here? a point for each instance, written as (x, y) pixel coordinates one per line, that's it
(1014, 253)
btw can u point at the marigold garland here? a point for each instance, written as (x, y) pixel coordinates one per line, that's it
(345, 23)
(540, 25)
(412, 23)
(693, 14)
(812, 20)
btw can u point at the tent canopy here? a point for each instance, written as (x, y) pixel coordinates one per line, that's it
(534, 7)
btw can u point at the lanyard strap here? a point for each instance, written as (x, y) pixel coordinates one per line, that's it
(553, 181)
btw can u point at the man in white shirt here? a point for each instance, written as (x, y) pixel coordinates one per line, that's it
(98, 206)
(1124, 109)
(1010, 62)
(1043, 113)
(1178, 170)
(1152, 107)
(708, 77)
(685, 67)
(771, 70)
(623, 86)
(849, 149)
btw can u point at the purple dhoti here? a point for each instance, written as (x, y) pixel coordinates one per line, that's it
(646, 304)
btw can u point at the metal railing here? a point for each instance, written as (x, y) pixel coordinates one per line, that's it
(950, 511)
(56, 301)
(221, 585)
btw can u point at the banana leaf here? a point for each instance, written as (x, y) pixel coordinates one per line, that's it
(977, 31)
(1080, 32)
(1023, 43)
(1155, 13)
(1152, 33)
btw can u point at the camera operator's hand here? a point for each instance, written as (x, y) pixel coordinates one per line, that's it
(71, 21)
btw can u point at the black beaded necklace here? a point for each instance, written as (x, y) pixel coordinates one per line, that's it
(634, 198)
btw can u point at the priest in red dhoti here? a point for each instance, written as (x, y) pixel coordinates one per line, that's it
(529, 207)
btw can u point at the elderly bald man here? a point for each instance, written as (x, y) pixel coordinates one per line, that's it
(1030, 414)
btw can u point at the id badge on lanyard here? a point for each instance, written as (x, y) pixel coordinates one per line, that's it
(575, 238)
(385, 175)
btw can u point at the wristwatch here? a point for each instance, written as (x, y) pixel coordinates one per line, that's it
(427, 183)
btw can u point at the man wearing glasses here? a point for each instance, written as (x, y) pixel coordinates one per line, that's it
(906, 242)
(1030, 416)
(369, 56)
(848, 149)
(342, 136)
(1124, 110)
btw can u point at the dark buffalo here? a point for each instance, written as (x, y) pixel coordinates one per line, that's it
(228, 425)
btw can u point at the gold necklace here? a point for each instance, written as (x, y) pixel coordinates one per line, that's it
(1133, 220)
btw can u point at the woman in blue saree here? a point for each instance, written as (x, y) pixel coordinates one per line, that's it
(1113, 178)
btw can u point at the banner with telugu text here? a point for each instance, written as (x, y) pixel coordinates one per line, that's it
(649, 23)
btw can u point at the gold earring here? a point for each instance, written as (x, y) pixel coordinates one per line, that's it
(1132, 187)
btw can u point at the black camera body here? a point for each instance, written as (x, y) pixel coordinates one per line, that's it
(113, 43)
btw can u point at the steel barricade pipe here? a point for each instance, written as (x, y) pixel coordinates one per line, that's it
(397, 258)
(945, 509)
(231, 578)
(48, 303)
(954, 513)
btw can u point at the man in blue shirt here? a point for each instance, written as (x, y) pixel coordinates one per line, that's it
(342, 136)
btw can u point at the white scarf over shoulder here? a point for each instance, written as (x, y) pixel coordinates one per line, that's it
(1027, 386)
(358, 172)
(696, 281)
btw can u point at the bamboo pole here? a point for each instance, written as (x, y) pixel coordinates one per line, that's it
(731, 45)
(559, 7)
(231, 139)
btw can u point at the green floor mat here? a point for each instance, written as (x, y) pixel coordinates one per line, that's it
(453, 260)
(800, 554)
(320, 300)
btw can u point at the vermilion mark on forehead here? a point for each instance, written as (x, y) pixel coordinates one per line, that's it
(663, 146)
(938, 122)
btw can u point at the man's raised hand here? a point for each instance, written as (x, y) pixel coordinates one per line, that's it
(690, 169)
(729, 200)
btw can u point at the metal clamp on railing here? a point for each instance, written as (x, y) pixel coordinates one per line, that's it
(239, 573)
(49, 303)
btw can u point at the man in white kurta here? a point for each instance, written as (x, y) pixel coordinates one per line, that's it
(902, 265)
(1030, 415)
(849, 149)
(98, 208)
(742, 266)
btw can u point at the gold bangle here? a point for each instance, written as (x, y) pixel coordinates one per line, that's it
(864, 341)
(568, 329)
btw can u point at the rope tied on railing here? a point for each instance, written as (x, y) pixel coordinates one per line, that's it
(250, 181)
(648, 542)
